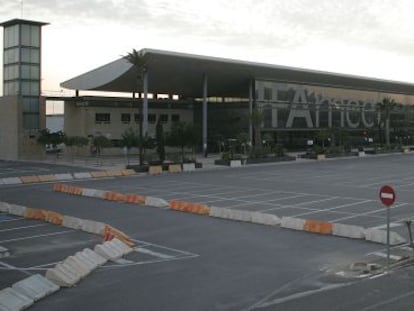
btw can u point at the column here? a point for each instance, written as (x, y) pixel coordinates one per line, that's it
(205, 85)
(145, 104)
(250, 112)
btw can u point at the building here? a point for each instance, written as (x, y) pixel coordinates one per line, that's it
(294, 103)
(22, 109)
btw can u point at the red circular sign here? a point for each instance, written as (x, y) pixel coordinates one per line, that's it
(387, 195)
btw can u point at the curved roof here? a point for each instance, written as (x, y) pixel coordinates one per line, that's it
(179, 73)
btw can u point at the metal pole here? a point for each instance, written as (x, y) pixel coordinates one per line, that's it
(205, 86)
(145, 105)
(388, 238)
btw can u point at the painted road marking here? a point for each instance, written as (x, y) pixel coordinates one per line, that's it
(36, 236)
(21, 228)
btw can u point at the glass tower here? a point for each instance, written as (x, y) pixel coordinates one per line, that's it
(22, 67)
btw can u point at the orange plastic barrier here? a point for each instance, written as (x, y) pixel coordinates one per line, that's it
(155, 170)
(134, 198)
(35, 213)
(99, 174)
(114, 196)
(67, 189)
(58, 187)
(54, 218)
(110, 232)
(318, 227)
(189, 207)
(29, 179)
(44, 178)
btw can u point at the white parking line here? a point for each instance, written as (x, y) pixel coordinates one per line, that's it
(21, 228)
(37, 236)
(334, 208)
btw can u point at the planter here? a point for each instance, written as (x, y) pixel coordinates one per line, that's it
(320, 157)
(235, 163)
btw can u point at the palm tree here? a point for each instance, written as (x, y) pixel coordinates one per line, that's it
(385, 107)
(257, 119)
(136, 58)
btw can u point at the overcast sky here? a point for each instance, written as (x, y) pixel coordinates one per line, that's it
(371, 38)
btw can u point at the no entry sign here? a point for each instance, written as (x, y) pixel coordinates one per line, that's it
(387, 195)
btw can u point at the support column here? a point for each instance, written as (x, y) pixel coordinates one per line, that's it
(205, 86)
(250, 112)
(145, 104)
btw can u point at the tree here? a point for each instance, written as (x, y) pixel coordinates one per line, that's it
(159, 137)
(137, 60)
(385, 107)
(129, 139)
(100, 142)
(50, 138)
(257, 120)
(75, 141)
(183, 135)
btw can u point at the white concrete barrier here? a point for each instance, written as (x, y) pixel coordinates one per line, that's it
(82, 175)
(87, 260)
(189, 167)
(348, 231)
(4, 252)
(122, 246)
(72, 222)
(235, 163)
(108, 251)
(92, 226)
(4, 207)
(1, 181)
(265, 219)
(96, 258)
(12, 300)
(77, 266)
(62, 275)
(380, 236)
(65, 176)
(361, 154)
(156, 202)
(93, 193)
(17, 210)
(219, 212)
(292, 223)
(239, 215)
(35, 287)
(12, 181)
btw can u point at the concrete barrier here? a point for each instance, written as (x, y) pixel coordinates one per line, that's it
(29, 179)
(96, 258)
(265, 219)
(235, 163)
(189, 167)
(54, 217)
(348, 231)
(10, 299)
(155, 170)
(110, 233)
(134, 198)
(4, 207)
(98, 174)
(4, 252)
(77, 266)
(82, 175)
(93, 193)
(65, 176)
(219, 212)
(124, 247)
(195, 208)
(292, 223)
(72, 222)
(17, 210)
(114, 196)
(114, 173)
(128, 172)
(92, 226)
(11, 181)
(108, 251)
(380, 236)
(317, 226)
(320, 157)
(155, 202)
(62, 276)
(232, 214)
(361, 154)
(174, 168)
(46, 178)
(87, 260)
(35, 213)
(1, 181)
(35, 287)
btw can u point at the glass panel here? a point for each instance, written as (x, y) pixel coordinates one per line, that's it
(11, 56)
(35, 36)
(31, 121)
(30, 104)
(11, 72)
(30, 72)
(30, 88)
(30, 55)
(11, 88)
(26, 35)
(11, 36)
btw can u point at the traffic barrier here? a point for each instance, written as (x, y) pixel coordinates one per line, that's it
(10, 299)
(92, 226)
(35, 213)
(155, 202)
(189, 207)
(4, 207)
(62, 275)
(98, 174)
(108, 251)
(35, 287)
(110, 233)
(17, 210)
(114, 173)
(380, 236)
(134, 198)
(46, 178)
(72, 222)
(155, 170)
(114, 196)
(65, 188)
(348, 231)
(292, 223)
(219, 212)
(64, 176)
(54, 217)
(174, 168)
(77, 266)
(265, 219)
(232, 214)
(29, 179)
(4, 252)
(11, 181)
(320, 157)
(235, 163)
(189, 167)
(126, 249)
(82, 175)
(1, 181)
(93, 193)
(94, 257)
(316, 226)
(87, 260)
(128, 172)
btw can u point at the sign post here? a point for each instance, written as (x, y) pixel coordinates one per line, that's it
(387, 197)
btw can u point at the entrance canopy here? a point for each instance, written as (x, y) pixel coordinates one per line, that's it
(182, 74)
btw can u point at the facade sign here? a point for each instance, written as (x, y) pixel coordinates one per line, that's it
(294, 106)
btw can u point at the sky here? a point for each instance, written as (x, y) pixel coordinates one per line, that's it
(371, 38)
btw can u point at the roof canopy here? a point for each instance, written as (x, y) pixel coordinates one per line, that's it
(178, 73)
